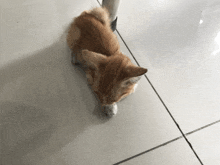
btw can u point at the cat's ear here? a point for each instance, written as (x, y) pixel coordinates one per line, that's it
(134, 74)
(92, 59)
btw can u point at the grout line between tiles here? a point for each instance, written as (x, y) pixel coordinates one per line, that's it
(206, 126)
(161, 101)
(183, 135)
(99, 2)
(166, 143)
(161, 145)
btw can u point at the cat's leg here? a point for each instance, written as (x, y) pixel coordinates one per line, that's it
(74, 59)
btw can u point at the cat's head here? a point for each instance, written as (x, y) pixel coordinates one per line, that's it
(111, 77)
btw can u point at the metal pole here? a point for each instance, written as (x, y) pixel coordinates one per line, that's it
(112, 6)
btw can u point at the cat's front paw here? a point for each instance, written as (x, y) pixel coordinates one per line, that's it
(73, 59)
(110, 110)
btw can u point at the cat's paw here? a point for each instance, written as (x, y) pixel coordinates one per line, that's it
(110, 110)
(73, 60)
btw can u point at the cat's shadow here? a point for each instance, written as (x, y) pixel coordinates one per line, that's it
(45, 104)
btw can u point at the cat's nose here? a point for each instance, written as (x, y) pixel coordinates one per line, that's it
(110, 110)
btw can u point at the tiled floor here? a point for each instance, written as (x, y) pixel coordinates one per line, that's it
(49, 116)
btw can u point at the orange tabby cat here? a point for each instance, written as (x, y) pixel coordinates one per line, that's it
(110, 73)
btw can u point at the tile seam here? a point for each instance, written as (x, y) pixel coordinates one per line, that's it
(166, 143)
(201, 128)
(149, 150)
(183, 135)
(177, 125)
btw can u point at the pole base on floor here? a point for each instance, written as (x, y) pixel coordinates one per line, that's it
(114, 24)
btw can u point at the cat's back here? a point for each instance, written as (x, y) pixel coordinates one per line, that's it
(95, 35)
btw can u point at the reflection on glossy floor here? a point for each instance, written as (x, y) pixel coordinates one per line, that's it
(49, 115)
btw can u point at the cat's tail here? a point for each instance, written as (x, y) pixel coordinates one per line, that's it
(101, 14)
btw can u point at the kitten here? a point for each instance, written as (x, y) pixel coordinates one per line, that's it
(110, 73)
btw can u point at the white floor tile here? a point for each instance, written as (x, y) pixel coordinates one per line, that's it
(48, 113)
(29, 26)
(178, 41)
(48, 109)
(206, 144)
(177, 152)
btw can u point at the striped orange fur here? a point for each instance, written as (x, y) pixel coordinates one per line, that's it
(110, 73)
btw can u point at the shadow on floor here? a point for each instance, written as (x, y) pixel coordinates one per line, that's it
(45, 104)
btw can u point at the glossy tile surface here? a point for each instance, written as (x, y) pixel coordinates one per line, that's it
(28, 26)
(177, 152)
(206, 143)
(48, 113)
(179, 42)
